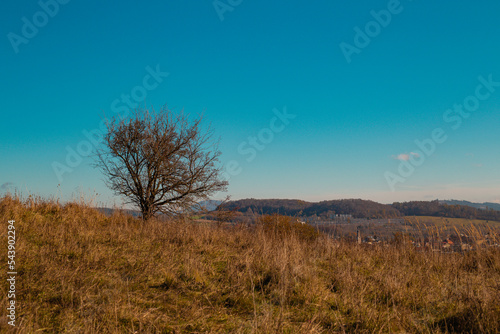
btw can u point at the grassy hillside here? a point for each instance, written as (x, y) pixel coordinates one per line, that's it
(83, 272)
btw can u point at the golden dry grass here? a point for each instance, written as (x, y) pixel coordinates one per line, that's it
(83, 272)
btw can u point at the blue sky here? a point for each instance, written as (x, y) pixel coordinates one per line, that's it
(361, 82)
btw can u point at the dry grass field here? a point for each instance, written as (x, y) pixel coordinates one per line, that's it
(80, 271)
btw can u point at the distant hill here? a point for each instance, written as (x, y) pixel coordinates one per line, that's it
(210, 205)
(437, 208)
(483, 206)
(358, 208)
(109, 211)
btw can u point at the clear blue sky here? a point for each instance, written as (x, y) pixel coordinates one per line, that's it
(360, 100)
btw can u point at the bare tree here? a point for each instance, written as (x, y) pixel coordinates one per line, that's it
(161, 162)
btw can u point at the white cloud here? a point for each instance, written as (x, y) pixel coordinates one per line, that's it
(402, 156)
(406, 156)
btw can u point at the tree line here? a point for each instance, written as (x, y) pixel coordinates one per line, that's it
(357, 208)
(438, 209)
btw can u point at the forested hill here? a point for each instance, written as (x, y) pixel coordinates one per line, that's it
(439, 209)
(358, 209)
(327, 209)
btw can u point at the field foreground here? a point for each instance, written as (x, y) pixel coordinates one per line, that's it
(80, 271)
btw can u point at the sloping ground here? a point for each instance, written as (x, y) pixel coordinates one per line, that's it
(82, 272)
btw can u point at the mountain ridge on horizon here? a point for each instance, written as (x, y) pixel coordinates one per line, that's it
(359, 208)
(477, 205)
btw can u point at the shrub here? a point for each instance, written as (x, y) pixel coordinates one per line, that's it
(281, 226)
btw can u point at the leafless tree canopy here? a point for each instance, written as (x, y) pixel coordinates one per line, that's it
(160, 162)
